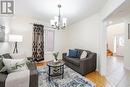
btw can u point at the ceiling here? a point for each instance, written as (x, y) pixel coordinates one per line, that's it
(120, 13)
(74, 10)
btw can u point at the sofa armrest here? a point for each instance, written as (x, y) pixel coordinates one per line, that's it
(64, 56)
(2, 79)
(31, 59)
(33, 78)
(88, 64)
(32, 66)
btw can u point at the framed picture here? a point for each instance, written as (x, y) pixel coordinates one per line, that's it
(128, 31)
(2, 33)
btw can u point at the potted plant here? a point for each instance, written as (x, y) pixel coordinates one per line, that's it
(56, 56)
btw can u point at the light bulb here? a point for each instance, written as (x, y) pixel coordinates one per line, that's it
(52, 22)
(64, 21)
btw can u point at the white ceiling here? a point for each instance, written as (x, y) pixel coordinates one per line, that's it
(74, 10)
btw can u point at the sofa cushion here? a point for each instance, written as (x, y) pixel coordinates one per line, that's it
(72, 53)
(75, 61)
(7, 56)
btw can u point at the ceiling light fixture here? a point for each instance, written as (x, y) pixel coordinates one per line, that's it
(58, 22)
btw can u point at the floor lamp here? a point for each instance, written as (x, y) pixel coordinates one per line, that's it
(16, 39)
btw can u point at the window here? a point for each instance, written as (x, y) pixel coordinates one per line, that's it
(49, 40)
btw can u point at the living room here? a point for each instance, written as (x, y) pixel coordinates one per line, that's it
(84, 30)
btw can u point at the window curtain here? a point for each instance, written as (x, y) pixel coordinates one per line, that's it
(38, 42)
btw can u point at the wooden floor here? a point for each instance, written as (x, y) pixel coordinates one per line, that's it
(99, 80)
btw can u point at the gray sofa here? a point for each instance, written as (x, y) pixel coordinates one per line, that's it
(82, 66)
(33, 74)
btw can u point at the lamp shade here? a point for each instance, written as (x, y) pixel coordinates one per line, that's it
(15, 38)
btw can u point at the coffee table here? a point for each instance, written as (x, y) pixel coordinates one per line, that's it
(56, 68)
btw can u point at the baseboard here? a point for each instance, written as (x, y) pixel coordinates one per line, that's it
(126, 67)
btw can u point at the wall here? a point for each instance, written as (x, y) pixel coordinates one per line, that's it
(127, 45)
(112, 31)
(59, 45)
(85, 34)
(61, 42)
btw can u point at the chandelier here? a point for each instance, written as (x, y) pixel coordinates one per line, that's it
(58, 22)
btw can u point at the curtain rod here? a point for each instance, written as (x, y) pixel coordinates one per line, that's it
(41, 24)
(44, 26)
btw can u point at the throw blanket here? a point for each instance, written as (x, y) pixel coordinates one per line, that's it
(18, 79)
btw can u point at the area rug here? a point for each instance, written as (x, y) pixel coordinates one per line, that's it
(71, 79)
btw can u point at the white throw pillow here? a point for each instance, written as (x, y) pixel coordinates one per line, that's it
(14, 65)
(67, 53)
(83, 55)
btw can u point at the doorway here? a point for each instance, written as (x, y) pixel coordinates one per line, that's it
(116, 74)
(116, 39)
(121, 76)
(115, 51)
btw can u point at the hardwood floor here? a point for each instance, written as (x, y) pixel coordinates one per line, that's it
(99, 80)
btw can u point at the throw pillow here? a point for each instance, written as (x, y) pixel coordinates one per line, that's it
(72, 53)
(14, 65)
(67, 53)
(3, 70)
(79, 52)
(1, 63)
(83, 55)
